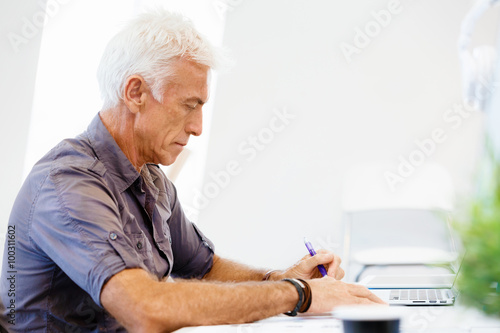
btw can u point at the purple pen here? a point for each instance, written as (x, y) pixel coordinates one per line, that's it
(310, 248)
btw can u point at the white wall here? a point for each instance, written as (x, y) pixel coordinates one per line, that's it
(18, 63)
(369, 111)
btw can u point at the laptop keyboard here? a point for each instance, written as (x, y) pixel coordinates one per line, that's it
(421, 295)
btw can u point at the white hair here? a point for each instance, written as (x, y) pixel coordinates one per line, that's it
(149, 46)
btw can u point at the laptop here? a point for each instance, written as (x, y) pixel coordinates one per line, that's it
(415, 289)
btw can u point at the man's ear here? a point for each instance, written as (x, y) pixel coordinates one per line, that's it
(135, 93)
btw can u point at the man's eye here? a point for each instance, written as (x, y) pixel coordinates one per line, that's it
(192, 106)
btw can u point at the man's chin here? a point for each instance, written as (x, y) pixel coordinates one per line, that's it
(166, 163)
(168, 160)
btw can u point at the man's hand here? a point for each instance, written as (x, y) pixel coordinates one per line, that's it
(306, 268)
(328, 293)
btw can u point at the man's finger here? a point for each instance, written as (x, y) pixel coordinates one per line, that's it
(358, 290)
(334, 269)
(321, 259)
(362, 300)
(339, 274)
(363, 292)
(376, 299)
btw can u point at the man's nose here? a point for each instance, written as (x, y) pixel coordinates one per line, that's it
(194, 125)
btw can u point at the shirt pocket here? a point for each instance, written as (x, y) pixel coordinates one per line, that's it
(142, 247)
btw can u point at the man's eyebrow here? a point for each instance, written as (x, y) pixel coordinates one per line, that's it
(196, 99)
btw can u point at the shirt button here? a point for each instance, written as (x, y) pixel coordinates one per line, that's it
(113, 236)
(139, 245)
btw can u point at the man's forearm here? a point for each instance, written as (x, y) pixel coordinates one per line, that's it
(227, 270)
(152, 306)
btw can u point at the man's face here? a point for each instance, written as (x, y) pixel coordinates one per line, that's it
(163, 129)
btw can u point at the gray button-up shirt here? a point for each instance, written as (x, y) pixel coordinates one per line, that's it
(82, 215)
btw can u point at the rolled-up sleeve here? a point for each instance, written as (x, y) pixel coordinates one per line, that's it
(77, 225)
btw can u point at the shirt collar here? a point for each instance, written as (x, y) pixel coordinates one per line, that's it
(110, 154)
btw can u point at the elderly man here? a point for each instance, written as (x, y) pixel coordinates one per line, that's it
(98, 227)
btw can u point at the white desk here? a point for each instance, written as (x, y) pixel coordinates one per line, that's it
(434, 319)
